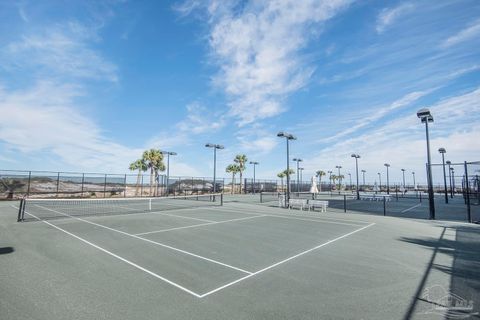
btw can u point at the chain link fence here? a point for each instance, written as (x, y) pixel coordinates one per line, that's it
(16, 184)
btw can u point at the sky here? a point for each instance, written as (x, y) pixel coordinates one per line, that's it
(88, 85)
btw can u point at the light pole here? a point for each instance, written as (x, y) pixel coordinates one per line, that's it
(215, 147)
(414, 184)
(254, 164)
(356, 156)
(168, 154)
(287, 137)
(298, 160)
(388, 182)
(363, 174)
(426, 117)
(380, 180)
(403, 174)
(350, 178)
(339, 178)
(442, 152)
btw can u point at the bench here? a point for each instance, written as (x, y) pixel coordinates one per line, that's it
(312, 204)
(376, 197)
(301, 203)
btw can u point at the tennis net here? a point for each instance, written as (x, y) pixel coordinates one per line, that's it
(44, 209)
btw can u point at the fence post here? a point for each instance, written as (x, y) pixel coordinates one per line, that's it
(384, 207)
(83, 181)
(105, 187)
(29, 180)
(467, 193)
(58, 182)
(125, 186)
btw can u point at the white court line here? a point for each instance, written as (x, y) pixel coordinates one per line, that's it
(152, 242)
(197, 225)
(299, 218)
(283, 261)
(418, 205)
(183, 217)
(118, 257)
(167, 214)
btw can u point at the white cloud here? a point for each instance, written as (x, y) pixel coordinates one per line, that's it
(379, 113)
(401, 142)
(469, 33)
(199, 120)
(44, 118)
(389, 15)
(60, 50)
(258, 48)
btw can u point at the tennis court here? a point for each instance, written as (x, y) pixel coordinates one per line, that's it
(211, 260)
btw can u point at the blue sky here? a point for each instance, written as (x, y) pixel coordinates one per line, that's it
(89, 85)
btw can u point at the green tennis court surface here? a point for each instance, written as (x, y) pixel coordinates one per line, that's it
(242, 260)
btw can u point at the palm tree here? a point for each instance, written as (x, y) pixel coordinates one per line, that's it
(289, 172)
(333, 177)
(233, 169)
(153, 159)
(241, 159)
(281, 175)
(141, 166)
(320, 173)
(340, 178)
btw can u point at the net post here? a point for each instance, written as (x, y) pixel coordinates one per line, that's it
(21, 210)
(345, 203)
(221, 199)
(149, 204)
(261, 197)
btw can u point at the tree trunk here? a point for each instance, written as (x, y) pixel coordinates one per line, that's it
(233, 182)
(241, 175)
(151, 181)
(320, 184)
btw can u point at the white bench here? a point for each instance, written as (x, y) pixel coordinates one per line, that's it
(301, 203)
(312, 204)
(376, 197)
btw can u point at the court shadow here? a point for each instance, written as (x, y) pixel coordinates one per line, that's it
(6, 250)
(465, 269)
